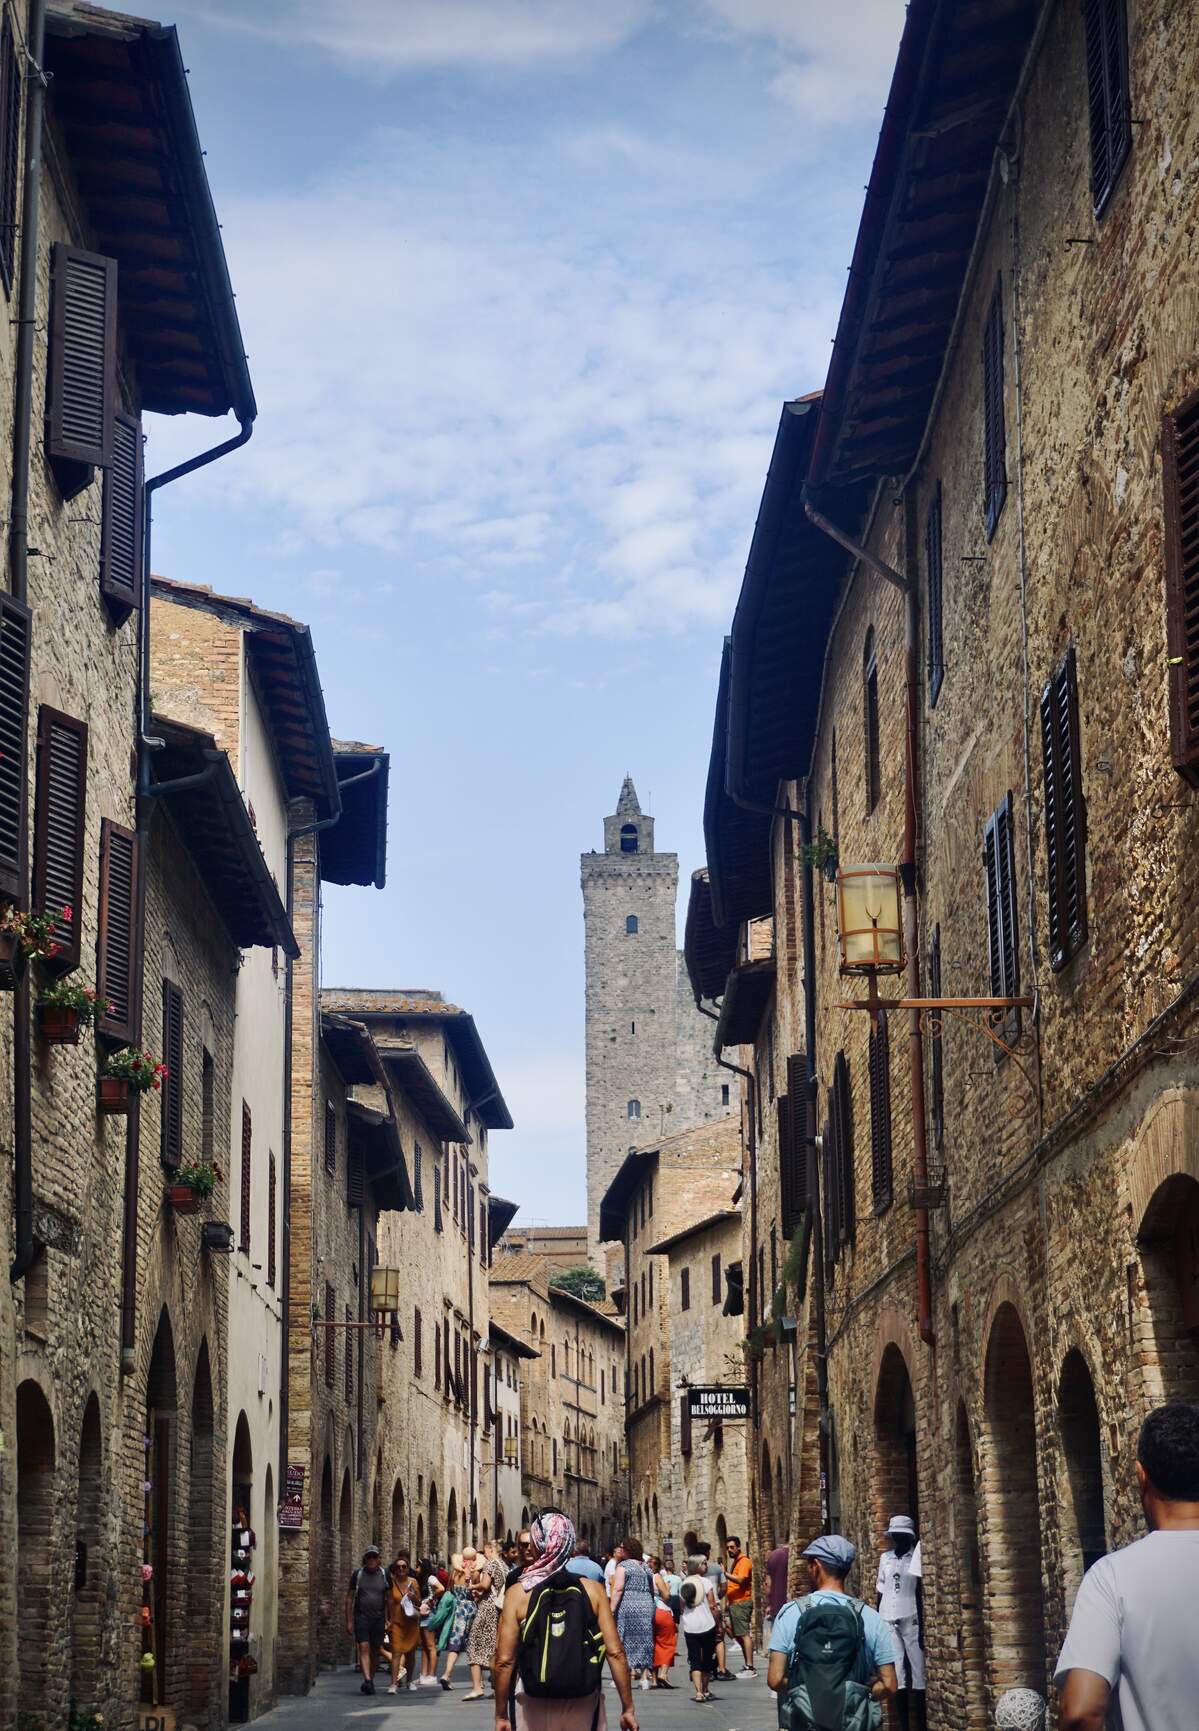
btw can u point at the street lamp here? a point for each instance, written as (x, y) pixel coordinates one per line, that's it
(870, 921)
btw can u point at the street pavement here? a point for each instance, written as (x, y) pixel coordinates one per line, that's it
(336, 1705)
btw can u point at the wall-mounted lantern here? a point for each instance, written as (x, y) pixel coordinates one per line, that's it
(385, 1290)
(870, 920)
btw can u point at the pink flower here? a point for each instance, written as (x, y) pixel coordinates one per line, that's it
(147, 1571)
(67, 914)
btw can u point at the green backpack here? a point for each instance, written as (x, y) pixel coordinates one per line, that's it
(828, 1685)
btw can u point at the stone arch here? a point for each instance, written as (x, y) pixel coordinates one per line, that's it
(420, 1535)
(243, 1627)
(326, 1552)
(434, 1527)
(202, 1548)
(1167, 1325)
(970, 1577)
(87, 1619)
(1016, 1608)
(451, 1522)
(1167, 1145)
(398, 1534)
(896, 1481)
(768, 1496)
(36, 1462)
(162, 1539)
(1081, 1489)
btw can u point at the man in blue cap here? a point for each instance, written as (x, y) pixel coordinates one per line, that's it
(828, 1649)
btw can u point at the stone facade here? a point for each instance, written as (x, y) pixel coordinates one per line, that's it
(502, 1446)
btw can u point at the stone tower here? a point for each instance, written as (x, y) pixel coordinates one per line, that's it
(650, 1069)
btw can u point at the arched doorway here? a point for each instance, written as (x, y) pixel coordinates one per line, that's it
(242, 1619)
(896, 1490)
(970, 1580)
(1084, 1529)
(88, 1607)
(1016, 1609)
(268, 1614)
(158, 1540)
(434, 1525)
(451, 1524)
(1169, 1244)
(420, 1536)
(203, 1666)
(377, 1528)
(397, 1519)
(328, 1624)
(37, 1588)
(722, 1536)
(767, 1502)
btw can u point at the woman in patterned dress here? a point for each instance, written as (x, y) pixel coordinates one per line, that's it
(633, 1608)
(490, 1575)
(461, 1585)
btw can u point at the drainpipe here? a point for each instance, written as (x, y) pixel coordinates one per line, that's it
(18, 541)
(816, 1239)
(911, 933)
(285, 1339)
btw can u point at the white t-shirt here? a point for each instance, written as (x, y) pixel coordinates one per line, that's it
(917, 1569)
(610, 1568)
(897, 1584)
(1134, 1623)
(697, 1619)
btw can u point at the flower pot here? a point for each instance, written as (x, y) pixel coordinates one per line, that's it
(13, 961)
(112, 1096)
(58, 1024)
(183, 1199)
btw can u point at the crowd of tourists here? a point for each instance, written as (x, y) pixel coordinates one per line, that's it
(541, 1617)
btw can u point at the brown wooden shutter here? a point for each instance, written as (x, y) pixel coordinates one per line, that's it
(119, 921)
(1002, 931)
(994, 434)
(1180, 468)
(58, 828)
(936, 1047)
(438, 1219)
(843, 1106)
(10, 152)
(349, 1357)
(355, 1176)
(684, 1423)
(880, 1115)
(330, 1137)
(418, 1198)
(794, 1130)
(436, 1352)
(121, 521)
(830, 1180)
(330, 1315)
(80, 401)
(272, 1196)
(1106, 26)
(716, 1292)
(172, 1082)
(247, 1148)
(15, 625)
(1065, 815)
(933, 566)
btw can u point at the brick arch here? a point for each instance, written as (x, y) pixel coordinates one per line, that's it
(38, 1445)
(1166, 1145)
(1163, 1191)
(892, 1328)
(1011, 1499)
(1005, 1289)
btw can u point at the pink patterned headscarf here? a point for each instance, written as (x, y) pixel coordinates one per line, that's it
(553, 1537)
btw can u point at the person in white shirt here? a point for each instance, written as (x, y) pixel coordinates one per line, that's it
(1131, 1655)
(900, 1604)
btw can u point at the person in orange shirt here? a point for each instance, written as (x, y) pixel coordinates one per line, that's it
(739, 1600)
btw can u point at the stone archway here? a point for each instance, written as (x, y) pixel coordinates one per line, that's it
(451, 1524)
(40, 1616)
(87, 1620)
(1015, 1601)
(1168, 1324)
(203, 1657)
(398, 1535)
(1081, 1492)
(896, 1480)
(970, 1579)
(160, 1539)
(326, 1555)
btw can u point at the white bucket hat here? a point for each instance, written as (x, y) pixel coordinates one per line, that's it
(901, 1524)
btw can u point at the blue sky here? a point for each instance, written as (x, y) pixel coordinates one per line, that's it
(523, 284)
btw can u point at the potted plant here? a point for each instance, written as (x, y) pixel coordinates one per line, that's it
(24, 934)
(64, 1008)
(125, 1073)
(193, 1183)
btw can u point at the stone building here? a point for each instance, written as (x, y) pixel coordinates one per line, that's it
(992, 682)
(112, 1324)
(658, 1191)
(561, 1247)
(650, 1070)
(502, 1447)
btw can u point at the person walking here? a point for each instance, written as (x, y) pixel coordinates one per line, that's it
(697, 1595)
(1131, 1656)
(456, 1631)
(366, 1615)
(739, 1601)
(778, 1569)
(524, 1551)
(432, 1610)
(714, 1570)
(666, 1634)
(490, 1578)
(900, 1603)
(403, 1623)
(584, 1564)
(552, 1541)
(633, 1608)
(829, 1651)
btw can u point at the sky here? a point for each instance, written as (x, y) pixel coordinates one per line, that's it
(524, 285)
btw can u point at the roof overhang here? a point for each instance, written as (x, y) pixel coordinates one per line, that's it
(354, 849)
(710, 950)
(353, 1052)
(721, 1218)
(378, 1136)
(426, 1009)
(118, 89)
(560, 1295)
(421, 1086)
(512, 1342)
(746, 1000)
(500, 1215)
(736, 840)
(199, 789)
(614, 1202)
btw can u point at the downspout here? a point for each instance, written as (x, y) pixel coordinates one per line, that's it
(363, 1284)
(816, 1238)
(473, 1385)
(18, 542)
(285, 1342)
(911, 932)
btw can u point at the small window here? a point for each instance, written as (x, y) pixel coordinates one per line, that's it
(724, 1093)
(1106, 26)
(1180, 449)
(870, 720)
(630, 924)
(1065, 814)
(685, 1292)
(633, 1109)
(628, 838)
(716, 1288)
(330, 1136)
(1003, 939)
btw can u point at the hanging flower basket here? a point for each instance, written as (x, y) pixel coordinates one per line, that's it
(64, 1008)
(123, 1072)
(26, 934)
(13, 961)
(58, 1024)
(192, 1184)
(183, 1199)
(112, 1096)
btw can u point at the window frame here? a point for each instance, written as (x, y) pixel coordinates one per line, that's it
(1182, 586)
(1109, 97)
(1065, 820)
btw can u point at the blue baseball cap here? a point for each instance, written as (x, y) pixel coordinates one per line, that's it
(832, 1550)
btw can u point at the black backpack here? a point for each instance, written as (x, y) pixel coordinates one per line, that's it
(561, 1652)
(828, 1686)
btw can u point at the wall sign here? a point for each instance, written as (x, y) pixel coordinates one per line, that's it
(291, 1509)
(718, 1402)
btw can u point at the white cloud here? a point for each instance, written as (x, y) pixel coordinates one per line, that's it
(834, 61)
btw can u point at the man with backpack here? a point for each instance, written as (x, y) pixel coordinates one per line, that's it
(555, 1631)
(832, 1658)
(366, 1614)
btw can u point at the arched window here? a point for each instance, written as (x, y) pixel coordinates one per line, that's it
(870, 708)
(628, 838)
(630, 924)
(634, 1109)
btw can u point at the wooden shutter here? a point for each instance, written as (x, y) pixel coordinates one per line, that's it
(1180, 467)
(83, 326)
(880, 1115)
(843, 1107)
(272, 1182)
(1065, 815)
(15, 622)
(684, 1423)
(355, 1176)
(330, 1314)
(685, 1290)
(933, 566)
(349, 1357)
(436, 1352)
(10, 152)
(119, 928)
(716, 1292)
(438, 1219)
(330, 1137)
(58, 828)
(1106, 26)
(994, 434)
(247, 1148)
(936, 1049)
(121, 520)
(794, 1131)
(830, 1180)
(1002, 932)
(418, 1197)
(172, 1082)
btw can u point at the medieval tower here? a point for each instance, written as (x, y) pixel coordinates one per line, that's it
(650, 1068)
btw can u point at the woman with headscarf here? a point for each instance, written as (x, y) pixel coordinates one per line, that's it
(552, 1540)
(490, 1575)
(633, 1608)
(403, 1623)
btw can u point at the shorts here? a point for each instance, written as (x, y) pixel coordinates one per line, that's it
(370, 1629)
(701, 1651)
(741, 1617)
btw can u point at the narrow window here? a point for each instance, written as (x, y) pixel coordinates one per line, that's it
(870, 722)
(349, 1359)
(724, 1093)
(1003, 943)
(793, 1131)
(633, 1109)
(355, 1175)
(207, 1107)
(121, 521)
(653, 1381)
(247, 1142)
(80, 406)
(1106, 25)
(553, 1360)
(651, 1283)
(171, 1150)
(15, 621)
(272, 1199)
(330, 1137)
(842, 1195)
(418, 1194)
(630, 924)
(650, 1190)
(932, 560)
(58, 829)
(628, 838)
(329, 1313)
(1180, 467)
(936, 1048)
(994, 433)
(685, 1297)
(120, 918)
(418, 1343)
(10, 152)
(880, 1116)
(438, 1222)
(1065, 814)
